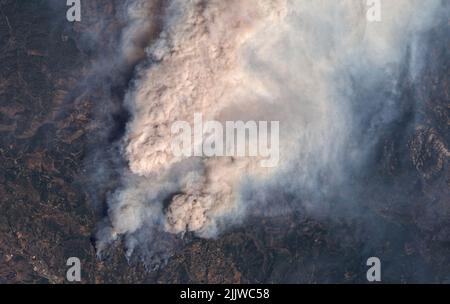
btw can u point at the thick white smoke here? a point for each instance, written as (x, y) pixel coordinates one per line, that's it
(288, 60)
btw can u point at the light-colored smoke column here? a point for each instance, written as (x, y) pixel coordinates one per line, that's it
(286, 60)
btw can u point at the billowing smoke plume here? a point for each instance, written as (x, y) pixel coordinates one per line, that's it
(318, 66)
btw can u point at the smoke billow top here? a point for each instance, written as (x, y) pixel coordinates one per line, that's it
(318, 67)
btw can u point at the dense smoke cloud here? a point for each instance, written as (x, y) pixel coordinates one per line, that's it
(319, 67)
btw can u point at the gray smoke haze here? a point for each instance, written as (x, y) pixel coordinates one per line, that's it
(319, 67)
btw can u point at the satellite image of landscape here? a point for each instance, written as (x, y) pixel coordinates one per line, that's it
(224, 141)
